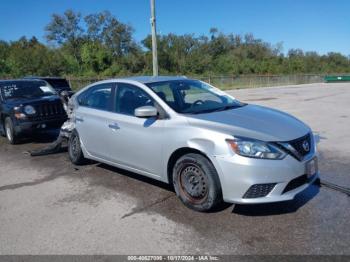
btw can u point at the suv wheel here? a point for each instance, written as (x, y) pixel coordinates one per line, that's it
(196, 182)
(12, 137)
(74, 149)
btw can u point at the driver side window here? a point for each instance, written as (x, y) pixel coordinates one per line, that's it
(97, 97)
(130, 97)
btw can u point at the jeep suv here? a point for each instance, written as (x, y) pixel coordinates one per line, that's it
(28, 106)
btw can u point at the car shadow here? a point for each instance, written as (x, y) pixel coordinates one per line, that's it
(149, 121)
(246, 210)
(157, 183)
(43, 137)
(136, 176)
(278, 208)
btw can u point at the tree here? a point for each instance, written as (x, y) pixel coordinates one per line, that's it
(4, 53)
(95, 57)
(100, 44)
(111, 32)
(30, 57)
(64, 28)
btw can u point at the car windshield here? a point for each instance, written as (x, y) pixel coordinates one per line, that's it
(25, 89)
(193, 96)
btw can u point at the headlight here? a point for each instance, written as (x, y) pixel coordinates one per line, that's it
(29, 110)
(254, 148)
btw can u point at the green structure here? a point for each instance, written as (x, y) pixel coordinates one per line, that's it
(337, 78)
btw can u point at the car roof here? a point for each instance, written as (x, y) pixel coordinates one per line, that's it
(152, 79)
(43, 77)
(20, 80)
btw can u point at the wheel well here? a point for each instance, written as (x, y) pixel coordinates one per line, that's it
(2, 124)
(176, 155)
(2, 119)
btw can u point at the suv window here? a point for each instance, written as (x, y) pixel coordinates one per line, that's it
(130, 97)
(98, 97)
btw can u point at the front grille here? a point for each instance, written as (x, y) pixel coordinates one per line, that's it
(259, 190)
(298, 148)
(298, 144)
(295, 183)
(49, 110)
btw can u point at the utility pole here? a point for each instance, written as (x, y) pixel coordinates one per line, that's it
(154, 39)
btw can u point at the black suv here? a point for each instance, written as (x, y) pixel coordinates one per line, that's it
(27, 106)
(58, 83)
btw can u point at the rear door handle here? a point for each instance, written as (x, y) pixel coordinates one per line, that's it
(114, 126)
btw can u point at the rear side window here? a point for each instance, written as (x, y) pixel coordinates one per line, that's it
(58, 83)
(130, 97)
(97, 97)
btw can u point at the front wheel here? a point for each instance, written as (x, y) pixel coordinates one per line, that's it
(11, 135)
(197, 183)
(74, 149)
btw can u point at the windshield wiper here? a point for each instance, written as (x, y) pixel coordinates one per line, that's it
(227, 107)
(216, 109)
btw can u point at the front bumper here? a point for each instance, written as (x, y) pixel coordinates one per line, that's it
(284, 177)
(27, 127)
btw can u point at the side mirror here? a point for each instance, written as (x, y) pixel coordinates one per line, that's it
(146, 111)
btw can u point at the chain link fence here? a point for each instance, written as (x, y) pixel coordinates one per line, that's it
(227, 82)
(237, 82)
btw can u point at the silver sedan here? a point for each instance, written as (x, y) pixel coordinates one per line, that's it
(209, 145)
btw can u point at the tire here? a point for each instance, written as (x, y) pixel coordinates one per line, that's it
(10, 133)
(74, 149)
(197, 183)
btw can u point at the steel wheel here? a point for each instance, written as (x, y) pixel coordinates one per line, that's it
(193, 183)
(196, 182)
(74, 149)
(75, 146)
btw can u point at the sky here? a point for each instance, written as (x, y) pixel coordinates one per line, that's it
(312, 25)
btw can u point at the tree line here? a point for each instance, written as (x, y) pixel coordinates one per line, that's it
(100, 45)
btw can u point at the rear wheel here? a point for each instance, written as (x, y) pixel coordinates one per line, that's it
(196, 182)
(74, 149)
(10, 133)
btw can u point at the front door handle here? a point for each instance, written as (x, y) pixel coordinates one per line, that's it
(114, 126)
(78, 119)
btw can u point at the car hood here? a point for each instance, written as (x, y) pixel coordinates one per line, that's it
(33, 101)
(253, 121)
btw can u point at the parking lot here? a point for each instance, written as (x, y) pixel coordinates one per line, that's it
(49, 206)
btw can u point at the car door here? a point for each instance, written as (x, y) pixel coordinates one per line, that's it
(137, 142)
(93, 116)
